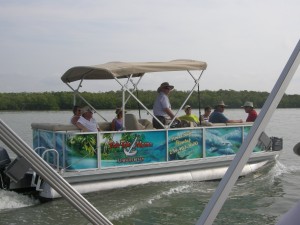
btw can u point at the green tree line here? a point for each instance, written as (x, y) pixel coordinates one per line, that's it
(113, 99)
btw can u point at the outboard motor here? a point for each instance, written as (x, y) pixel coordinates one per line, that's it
(4, 162)
(270, 143)
(277, 143)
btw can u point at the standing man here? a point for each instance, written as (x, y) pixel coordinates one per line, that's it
(162, 107)
(252, 114)
(218, 117)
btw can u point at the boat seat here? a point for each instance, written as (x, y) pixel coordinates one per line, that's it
(54, 126)
(206, 124)
(131, 122)
(104, 126)
(146, 123)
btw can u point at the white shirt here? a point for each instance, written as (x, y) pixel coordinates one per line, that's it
(91, 125)
(161, 102)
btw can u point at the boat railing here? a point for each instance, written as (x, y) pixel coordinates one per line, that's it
(143, 124)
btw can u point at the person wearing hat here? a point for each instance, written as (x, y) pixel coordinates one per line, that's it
(218, 117)
(162, 107)
(252, 114)
(86, 122)
(189, 116)
(117, 123)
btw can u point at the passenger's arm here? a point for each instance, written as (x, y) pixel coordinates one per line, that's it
(113, 126)
(169, 112)
(235, 121)
(81, 127)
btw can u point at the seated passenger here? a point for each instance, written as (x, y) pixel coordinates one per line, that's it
(76, 114)
(117, 123)
(218, 117)
(86, 122)
(205, 116)
(189, 116)
(252, 114)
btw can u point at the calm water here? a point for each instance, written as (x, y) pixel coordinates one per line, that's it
(258, 199)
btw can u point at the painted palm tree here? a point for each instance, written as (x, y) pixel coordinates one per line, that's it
(108, 138)
(85, 143)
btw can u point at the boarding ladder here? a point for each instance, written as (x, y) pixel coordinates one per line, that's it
(36, 179)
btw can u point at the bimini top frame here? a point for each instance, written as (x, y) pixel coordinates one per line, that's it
(127, 70)
(114, 70)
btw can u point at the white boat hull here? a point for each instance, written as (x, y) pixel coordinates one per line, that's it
(200, 174)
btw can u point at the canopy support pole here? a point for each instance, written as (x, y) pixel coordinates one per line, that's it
(83, 99)
(217, 200)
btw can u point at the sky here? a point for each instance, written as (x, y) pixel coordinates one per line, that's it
(245, 43)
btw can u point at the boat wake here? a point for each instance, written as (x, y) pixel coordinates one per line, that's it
(280, 169)
(125, 212)
(13, 200)
(171, 191)
(150, 200)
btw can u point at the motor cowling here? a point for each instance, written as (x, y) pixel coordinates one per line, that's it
(4, 162)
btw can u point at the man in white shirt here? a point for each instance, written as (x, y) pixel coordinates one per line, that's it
(162, 107)
(86, 122)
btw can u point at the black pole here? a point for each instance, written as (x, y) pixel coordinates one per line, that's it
(139, 107)
(199, 104)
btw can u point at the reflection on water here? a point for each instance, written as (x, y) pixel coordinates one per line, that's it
(259, 198)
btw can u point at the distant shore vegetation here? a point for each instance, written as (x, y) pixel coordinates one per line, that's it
(112, 99)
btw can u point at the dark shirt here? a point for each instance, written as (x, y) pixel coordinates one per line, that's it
(217, 117)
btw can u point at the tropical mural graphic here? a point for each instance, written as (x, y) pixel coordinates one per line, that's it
(185, 144)
(132, 148)
(81, 151)
(103, 150)
(43, 140)
(225, 141)
(257, 148)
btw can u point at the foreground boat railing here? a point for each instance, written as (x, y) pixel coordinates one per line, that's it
(217, 200)
(27, 154)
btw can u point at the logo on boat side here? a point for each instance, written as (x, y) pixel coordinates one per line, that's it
(130, 149)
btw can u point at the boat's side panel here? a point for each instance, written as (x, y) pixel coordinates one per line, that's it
(103, 160)
(81, 151)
